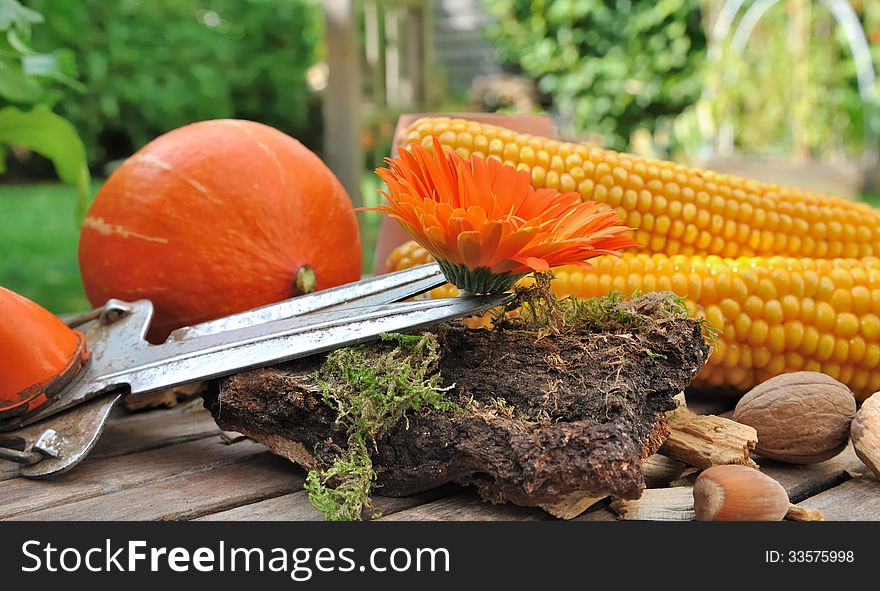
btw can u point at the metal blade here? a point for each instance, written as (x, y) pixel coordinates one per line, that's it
(156, 367)
(383, 289)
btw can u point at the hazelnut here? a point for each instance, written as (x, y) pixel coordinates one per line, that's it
(738, 493)
(866, 433)
(801, 418)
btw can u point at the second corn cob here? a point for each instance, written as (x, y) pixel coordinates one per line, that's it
(775, 314)
(676, 209)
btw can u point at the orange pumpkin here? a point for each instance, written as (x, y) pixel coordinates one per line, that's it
(38, 354)
(215, 218)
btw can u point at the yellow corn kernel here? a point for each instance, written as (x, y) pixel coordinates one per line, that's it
(869, 325)
(825, 316)
(794, 334)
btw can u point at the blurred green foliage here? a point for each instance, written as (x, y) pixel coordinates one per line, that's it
(614, 67)
(149, 66)
(31, 82)
(611, 66)
(793, 90)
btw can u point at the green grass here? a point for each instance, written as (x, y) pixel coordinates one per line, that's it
(38, 242)
(369, 220)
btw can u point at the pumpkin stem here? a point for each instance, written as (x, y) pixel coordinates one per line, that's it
(306, 280)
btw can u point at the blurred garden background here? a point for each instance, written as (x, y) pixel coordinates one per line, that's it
(779, 90)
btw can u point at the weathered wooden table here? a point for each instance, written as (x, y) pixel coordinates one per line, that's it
(174, 465)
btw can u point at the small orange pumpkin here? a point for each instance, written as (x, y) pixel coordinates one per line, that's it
(39, 354)
(215, 218)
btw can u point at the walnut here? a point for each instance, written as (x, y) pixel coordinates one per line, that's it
(866, 433)
(801, 418)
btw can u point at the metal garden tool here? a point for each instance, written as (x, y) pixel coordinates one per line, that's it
(58, 383)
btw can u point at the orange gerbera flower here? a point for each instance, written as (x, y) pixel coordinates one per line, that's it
(485, 223)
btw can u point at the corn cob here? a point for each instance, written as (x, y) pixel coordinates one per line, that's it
(775, 314)
(676, 209)
(410, 254)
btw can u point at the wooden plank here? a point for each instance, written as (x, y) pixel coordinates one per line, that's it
(8, 470)
(290, 507)
(153, 430)
(855, 500)
(133, 432)
(468, 506)
(296, 507)
(186, 497)
(803, 481)
(102, 476)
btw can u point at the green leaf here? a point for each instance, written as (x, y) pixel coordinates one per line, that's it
(18, 87)
(17, 43)
(53, 137)
(14, 15)
(58, 66)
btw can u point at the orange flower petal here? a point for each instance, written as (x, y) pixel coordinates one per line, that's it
(539, 265)
(470, 247)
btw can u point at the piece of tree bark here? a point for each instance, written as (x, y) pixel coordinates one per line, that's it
(708, 440)
(585, 407)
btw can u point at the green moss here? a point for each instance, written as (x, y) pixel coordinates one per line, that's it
(342, 492)
(540, 310)
(604, 313)
(372, 388)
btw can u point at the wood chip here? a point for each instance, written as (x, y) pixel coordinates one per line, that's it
(660, 470)
(798, 513)
(680, 400)
(571, 506)
(658, 504)
(230, 437)
(708, 440)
